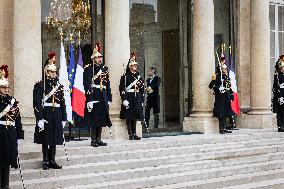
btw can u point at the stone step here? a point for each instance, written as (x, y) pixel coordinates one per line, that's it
(193, 150)
(82, 149)
(140, 163)
(130, 161)
(198, 177)
(34, 151)
(269, 179)
(197, 148)
(267, 184)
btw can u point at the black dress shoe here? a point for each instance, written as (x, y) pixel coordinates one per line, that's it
(227, 131)
(222, 131)
(54, 165)
(280, 130)
(101, 143)
(131, 137)
(45, 166)
(95, 144)
(136, 137)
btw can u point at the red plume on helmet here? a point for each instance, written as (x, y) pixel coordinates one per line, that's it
(51, 55)
(133, 55)
(98, 47)
(5, 69)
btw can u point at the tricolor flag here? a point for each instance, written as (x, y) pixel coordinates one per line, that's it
(78, 94)
(235, 103)
(63, 80)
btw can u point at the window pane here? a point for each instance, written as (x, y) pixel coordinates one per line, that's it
(272, 16)
(272, 44)
(281, 42)
(281, 18)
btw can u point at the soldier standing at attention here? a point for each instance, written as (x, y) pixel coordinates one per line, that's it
(98, 97)
(221, 85)
(278, 93)
(11, 133)
(132, 94)
(50, 113)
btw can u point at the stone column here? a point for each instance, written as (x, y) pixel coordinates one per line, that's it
(201, 119)
(260, 115)
(27, 53)
(117, 52)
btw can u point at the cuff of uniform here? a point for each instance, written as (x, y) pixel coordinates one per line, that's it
(21, 134)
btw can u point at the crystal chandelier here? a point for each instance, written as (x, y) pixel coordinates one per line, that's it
(70, 17)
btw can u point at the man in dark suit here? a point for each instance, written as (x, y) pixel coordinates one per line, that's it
(153, 98)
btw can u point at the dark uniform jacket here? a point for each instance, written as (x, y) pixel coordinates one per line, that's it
(135, 96)
(97, 91)
(153, 98)
(9, 133)
(222, 105)
(53, 111)
(278, 92)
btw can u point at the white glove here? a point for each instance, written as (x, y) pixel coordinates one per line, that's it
(19, 141)
(221, 89)
(125, 103)
(281, 100)
(40, 124)
(108, 102)
(90, 106)
(63, 124)
(142, 104)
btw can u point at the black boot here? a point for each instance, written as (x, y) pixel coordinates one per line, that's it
(99, 137)
(129, 129)
(45, 157)
(52, 152)
(94, 142)
(221, 126)
(134, 130)
(156, 120)
(4, 175)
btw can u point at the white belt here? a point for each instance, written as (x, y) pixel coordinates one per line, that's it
(51, 105)
(131, 91)
(94, 102)
(98, 86)
(11, 123)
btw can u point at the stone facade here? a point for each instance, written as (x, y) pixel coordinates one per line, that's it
(21, 49)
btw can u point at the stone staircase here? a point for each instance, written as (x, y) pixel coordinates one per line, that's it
(241, 160)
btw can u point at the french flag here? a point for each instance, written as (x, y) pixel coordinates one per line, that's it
(235, 103)
(78, 93)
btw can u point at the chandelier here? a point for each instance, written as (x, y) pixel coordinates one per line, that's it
(70, 17)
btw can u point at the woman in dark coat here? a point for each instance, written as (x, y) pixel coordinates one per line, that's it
(223, 97)
(11, 132)
(50, 112)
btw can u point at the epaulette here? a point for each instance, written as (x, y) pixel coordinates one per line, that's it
(86, 66)
(39, 81)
